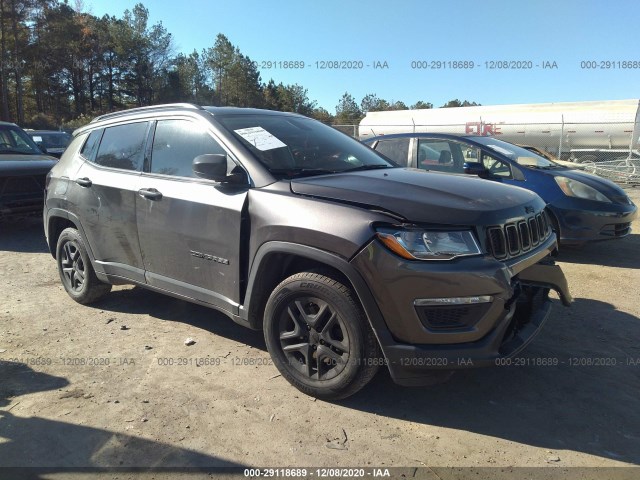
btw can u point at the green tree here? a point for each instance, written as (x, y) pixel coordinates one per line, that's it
(398, 105)
(111, 70)
(243, 86)
(186, 81)
(458, 103)
(19, 40)
(57, 56)
(322, 115)
(271, 96)
(347, 110)
(4, 63)
(147, 53)
(236, 79)
(294, 98)
(371, 103)
(421, 105)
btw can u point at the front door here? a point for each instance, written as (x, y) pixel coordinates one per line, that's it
(188, 227)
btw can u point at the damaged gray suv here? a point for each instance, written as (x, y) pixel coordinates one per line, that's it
(345, 260)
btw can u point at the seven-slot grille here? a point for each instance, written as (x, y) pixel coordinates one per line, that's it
(516, 238)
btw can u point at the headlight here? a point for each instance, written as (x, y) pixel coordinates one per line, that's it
(429, 245)
(574, 188)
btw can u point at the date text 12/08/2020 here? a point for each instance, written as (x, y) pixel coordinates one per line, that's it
(445, 64)
(422, 64)
(323, 65)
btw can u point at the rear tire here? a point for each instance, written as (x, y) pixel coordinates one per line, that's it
(76, 272)
(319, 337)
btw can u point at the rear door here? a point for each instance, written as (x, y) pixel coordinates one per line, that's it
(396, 149)
(442, 155)
(189, 228)
(104, 194)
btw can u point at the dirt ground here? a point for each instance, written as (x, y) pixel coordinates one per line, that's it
(114, 385)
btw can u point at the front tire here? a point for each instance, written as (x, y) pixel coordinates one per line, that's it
(76, 272)
(319, 338)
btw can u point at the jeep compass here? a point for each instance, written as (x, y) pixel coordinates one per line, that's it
(345, 260)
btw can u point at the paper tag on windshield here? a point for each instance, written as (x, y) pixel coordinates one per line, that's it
(260, 138)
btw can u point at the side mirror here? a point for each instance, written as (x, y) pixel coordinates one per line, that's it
(42, 148)
(476, 168)
(213, 166)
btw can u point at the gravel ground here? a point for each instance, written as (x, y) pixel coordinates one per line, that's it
(114, 385)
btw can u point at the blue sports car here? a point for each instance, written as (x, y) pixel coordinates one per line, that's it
(582, 207)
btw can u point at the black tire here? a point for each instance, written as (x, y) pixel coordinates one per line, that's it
(319, 338)
(75, 269)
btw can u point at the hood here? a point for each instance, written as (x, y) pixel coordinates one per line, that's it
(424, 197)
(16, 164)
(604, 186)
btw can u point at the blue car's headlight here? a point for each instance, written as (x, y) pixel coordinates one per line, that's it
(574, 188)
(429, 244)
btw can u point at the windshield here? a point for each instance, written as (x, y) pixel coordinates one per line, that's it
(520, 155)
(52, 140)
(291, 147)
(15, 140)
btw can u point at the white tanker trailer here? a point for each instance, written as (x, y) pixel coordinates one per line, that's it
(578, 131)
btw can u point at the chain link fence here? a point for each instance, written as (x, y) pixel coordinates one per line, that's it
(348, 129)
(609, 150)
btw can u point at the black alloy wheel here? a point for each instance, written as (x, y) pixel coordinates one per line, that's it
(73, 268)
(319, 337)
(314, 338)
(76, 272)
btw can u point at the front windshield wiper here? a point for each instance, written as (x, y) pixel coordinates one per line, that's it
(309, 172)
(546, 167)
(301, 172)
(368, 167)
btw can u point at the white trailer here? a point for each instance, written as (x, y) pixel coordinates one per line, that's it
(580, 131)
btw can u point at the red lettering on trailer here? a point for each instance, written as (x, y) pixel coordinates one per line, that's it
(472, 128)
(484, 129)
(491, 129)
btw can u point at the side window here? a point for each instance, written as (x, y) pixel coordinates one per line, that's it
(176, 143)
(397, 149)
(56, 141)
(496, 167)
(90, 147)
(18, 141)
(123, 146)
(5, 136)
(440, 155)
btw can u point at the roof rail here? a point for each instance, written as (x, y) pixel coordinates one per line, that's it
(146, 109)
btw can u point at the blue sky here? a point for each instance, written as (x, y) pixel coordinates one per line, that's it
(399, 32)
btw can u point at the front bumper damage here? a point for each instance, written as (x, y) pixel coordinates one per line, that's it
(518, 309)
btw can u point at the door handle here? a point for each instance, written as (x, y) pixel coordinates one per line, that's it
(150, 193)
(84, 182)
